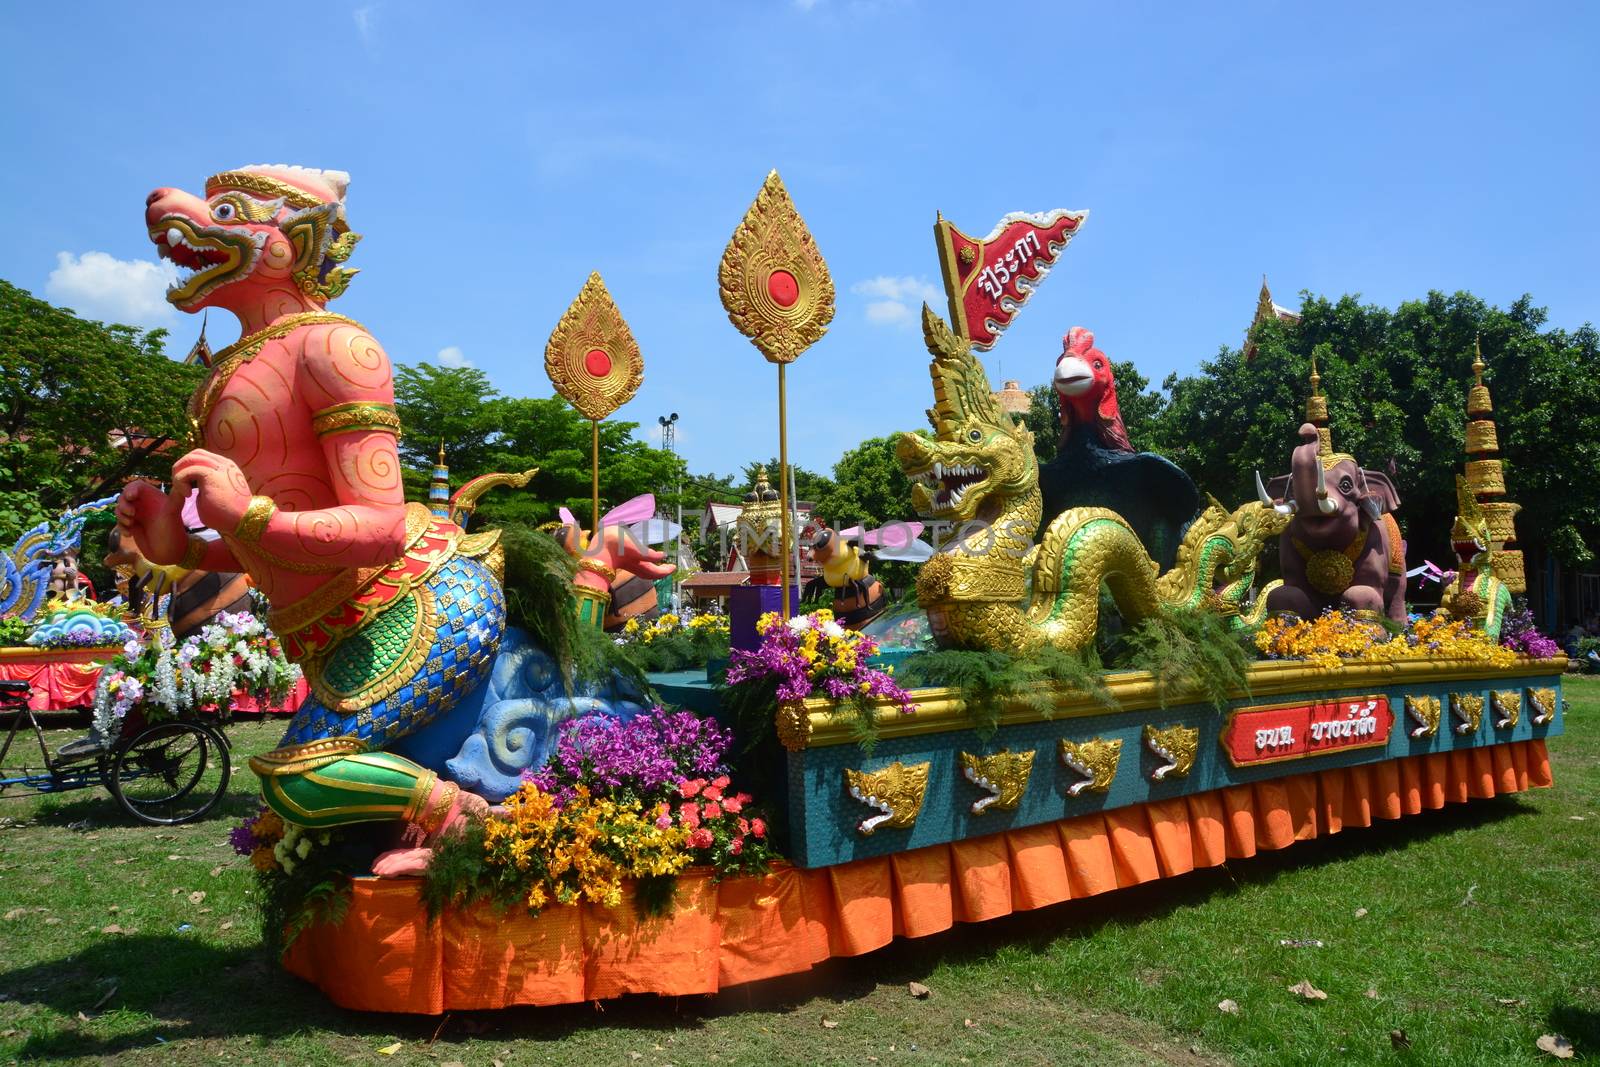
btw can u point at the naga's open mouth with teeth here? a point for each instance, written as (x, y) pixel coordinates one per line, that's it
(212, 255)
(946, 485)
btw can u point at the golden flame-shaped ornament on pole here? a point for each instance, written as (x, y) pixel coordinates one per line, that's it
(594, 364)
(778, 293)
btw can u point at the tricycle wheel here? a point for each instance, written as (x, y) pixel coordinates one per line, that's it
(170, 773)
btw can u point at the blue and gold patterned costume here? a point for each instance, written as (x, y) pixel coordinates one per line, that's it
(410, 664)
(387, 651)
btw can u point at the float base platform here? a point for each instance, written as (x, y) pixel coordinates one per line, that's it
(387, 956)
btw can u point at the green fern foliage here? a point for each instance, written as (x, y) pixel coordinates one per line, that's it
(1188, 653)
(990, 680)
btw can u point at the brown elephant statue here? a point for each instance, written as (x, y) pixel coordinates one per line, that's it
(1343, 548)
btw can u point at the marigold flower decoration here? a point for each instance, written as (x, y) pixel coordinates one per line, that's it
(584, 848)
(671, 624)
(626, 799)
(1337, 637)
(272, 844)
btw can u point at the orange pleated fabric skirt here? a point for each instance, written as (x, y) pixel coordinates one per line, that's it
(387, 956)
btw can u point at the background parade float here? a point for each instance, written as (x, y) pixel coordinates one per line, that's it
(516, 777)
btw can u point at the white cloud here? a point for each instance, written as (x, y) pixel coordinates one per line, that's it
(888, 313)
(100, 286)
(366, 17)
(452, 357)
(892, 300)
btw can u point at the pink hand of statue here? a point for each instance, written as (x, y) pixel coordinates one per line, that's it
(153, 521)
(224, 492)
(413, 862)
(623, 552)
(402, 863)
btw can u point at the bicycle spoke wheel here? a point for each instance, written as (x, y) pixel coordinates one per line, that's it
(170, 773)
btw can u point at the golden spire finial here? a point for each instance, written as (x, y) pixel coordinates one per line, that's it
(441, 451)
(1478, 365)
(761, 487)
(1317, 411)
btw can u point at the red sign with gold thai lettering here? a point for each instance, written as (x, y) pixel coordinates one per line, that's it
(1296, 731)
(989, 279)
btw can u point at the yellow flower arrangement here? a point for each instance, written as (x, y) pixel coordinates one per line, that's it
(824, 645)
(583, 849)
(669, 624)
(1337, 637)
(710, 623)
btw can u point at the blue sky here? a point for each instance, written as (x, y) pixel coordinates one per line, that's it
(501, 152)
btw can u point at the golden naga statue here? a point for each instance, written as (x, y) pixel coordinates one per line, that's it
(991, 586)
(1424, 711)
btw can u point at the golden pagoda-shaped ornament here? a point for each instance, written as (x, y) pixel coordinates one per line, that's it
(1317, 413)
(1486, 479)
(759, 524)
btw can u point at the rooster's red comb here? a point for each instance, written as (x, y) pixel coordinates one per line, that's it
(1078, 341)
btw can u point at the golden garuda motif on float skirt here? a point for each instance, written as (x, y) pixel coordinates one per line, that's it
(774, 283)
(592, 359)
(988, 279)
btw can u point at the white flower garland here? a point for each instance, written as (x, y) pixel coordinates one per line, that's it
(232, 652)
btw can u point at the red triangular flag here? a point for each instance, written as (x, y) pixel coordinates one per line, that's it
(989, 279)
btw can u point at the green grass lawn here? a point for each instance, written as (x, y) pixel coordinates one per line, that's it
(1480, 931)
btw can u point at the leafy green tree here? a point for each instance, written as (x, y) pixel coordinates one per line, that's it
(868, 487)
(1396, 384)
(71, 390)
(1043, 417)
(453, 405)
(484, 432)
(550, 434)
(1142, 407)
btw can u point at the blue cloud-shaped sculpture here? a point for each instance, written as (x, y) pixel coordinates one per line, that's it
(514, 727)
(79, 628)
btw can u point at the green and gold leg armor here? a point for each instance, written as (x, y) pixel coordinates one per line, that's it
(336, 781)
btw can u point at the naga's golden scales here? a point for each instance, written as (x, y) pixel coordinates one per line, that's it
(594, 364)
(777, 291)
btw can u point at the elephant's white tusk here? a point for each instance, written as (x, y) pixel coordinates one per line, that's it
(1261, 491)
(1326, 506)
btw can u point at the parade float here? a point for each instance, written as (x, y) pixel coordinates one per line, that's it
(53, 638)
(58, 639)
(824, 794)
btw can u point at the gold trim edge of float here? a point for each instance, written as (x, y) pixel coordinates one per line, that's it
(943, 710)
(28, 652)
